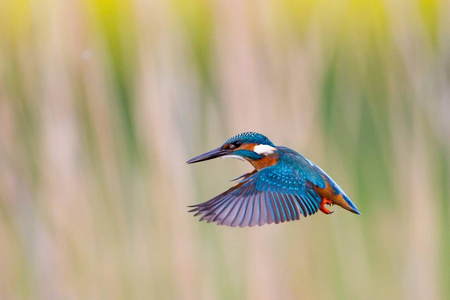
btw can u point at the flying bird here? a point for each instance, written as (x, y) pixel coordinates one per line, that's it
(284, 186)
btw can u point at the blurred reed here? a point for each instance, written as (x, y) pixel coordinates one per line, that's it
(102, 102)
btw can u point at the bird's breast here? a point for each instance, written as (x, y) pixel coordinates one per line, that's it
(266, 161)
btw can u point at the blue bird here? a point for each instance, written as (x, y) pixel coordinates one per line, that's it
(283, 186)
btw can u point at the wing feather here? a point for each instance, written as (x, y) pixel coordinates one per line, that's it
(307, 205)
(287, 211)
(256, 211)
(280, 193)
(264, 211)
(227, 215)
(276, 210)
(289, 208)
(270, 211)
(246, 219)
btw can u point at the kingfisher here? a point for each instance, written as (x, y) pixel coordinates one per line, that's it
(283, 187)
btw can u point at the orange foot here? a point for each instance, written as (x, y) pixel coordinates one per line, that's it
(323, 208)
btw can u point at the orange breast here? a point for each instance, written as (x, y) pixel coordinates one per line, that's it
(264, 162)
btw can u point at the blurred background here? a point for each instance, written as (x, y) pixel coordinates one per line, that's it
(102, 102)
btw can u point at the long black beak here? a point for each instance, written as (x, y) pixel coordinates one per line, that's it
(208, 155)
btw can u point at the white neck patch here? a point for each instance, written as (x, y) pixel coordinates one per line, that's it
(264, 149)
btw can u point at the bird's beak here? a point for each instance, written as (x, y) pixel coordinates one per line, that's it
(208, 155)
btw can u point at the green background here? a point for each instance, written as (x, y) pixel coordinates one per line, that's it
(102, 102)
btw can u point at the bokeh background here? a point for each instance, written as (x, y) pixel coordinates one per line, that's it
(102, 102)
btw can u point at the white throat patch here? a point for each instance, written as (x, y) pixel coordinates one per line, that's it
(233, 156)
(264, 149)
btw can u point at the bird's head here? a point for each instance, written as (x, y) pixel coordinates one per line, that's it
(251, 146)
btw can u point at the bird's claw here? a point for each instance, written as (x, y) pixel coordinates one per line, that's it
(323, 208)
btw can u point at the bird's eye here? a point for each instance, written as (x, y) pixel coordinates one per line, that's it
(237, 144)
(234, 145)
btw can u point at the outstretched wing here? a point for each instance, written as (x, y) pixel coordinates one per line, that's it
(280, 193)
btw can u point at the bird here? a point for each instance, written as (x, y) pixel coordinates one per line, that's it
(284, 186)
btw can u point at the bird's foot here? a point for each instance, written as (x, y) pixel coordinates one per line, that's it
(323, 208)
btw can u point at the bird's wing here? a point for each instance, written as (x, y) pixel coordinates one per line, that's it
(279, 193)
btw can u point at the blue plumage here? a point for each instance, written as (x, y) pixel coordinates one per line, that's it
(250, 137)
(283, 187)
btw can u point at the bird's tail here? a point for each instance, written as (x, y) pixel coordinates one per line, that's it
(351, 207)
